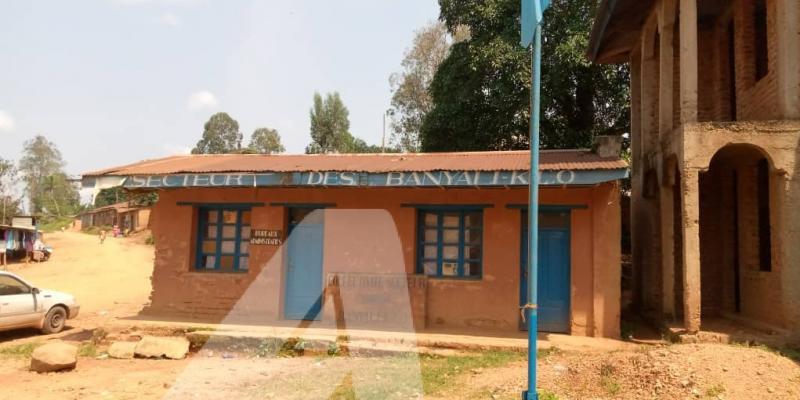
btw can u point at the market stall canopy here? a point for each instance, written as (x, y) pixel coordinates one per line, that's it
(466, 169)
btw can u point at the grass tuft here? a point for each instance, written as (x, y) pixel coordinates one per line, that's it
(607, 380)
(547, 395)
(439, 373)
(88, 349)
(715, 390)
(18, 351)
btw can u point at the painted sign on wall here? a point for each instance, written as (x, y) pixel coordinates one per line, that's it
(266, 237)
(388, 179)
(377, 300)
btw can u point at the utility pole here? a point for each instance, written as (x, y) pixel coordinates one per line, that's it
(383, 137)
(532, 14)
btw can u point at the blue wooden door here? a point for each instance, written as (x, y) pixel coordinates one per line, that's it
(303, 299)
(554, 275)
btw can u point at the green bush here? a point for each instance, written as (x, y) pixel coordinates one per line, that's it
(52, 224)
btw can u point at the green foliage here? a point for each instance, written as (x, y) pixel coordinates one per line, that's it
(53, 223)
(440, 373)
(87, 349)
(715, 391)
(268, 347)
(547, 395)
(109, 196)
(266, 141)
(117, 194)
(10, 205)
(46, 185)
(18, 351)
(481, 96)
(330, 125)
(411, 99)
(292, 347)
(330, 128)
(220, 136)
(607, 380)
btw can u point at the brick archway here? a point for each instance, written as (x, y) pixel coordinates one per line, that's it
(739, 278)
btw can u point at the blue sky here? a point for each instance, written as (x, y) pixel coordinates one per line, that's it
(117, 81)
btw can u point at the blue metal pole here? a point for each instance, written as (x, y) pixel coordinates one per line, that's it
(533, 215)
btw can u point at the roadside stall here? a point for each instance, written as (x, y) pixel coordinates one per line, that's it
(22, 243)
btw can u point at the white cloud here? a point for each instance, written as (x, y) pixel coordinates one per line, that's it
(169, 19)
(202, 100)
(6, 122)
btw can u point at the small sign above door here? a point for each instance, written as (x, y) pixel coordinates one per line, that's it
(266, 237)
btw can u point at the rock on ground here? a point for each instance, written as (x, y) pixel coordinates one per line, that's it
(122, 350)
(52, 357)
(175, 348)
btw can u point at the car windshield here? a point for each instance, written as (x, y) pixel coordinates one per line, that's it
(11, 286)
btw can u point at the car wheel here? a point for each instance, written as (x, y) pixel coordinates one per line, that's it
(55, 320)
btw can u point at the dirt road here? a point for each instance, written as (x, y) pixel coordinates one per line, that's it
(112, 281)
(109, 280)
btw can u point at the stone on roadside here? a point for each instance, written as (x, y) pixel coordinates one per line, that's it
(174, 348)
(122, 350)
(52, 357)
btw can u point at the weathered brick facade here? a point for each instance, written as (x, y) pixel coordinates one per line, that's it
(715, 91)
(370, 231)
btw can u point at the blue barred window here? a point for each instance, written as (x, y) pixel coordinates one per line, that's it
(223, 239)
(450, 243)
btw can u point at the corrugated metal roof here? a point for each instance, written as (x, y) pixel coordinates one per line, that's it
(552, 160)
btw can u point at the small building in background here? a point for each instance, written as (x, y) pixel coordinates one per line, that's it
(129, 217)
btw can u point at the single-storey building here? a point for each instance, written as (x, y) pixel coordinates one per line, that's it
(129, 217)
(423, 241)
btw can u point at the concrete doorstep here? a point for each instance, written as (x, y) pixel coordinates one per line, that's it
(374, 341)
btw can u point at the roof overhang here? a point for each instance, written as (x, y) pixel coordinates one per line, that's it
(365, 179)
(616, 30)
(18, 228)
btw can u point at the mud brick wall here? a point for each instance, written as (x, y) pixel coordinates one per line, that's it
(370, 231)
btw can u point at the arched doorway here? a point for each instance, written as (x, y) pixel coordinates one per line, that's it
(739, 278)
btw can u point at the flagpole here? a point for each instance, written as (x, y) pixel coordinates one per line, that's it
(533, 215)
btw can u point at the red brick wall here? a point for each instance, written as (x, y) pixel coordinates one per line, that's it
(756, 100)
(369, 231)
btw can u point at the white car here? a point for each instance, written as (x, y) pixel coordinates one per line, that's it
(24, 306)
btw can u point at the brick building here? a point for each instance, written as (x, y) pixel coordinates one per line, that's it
(129, 217)
(429, 241)
(715, 103)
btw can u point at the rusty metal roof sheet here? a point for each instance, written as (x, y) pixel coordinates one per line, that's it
(551, 160)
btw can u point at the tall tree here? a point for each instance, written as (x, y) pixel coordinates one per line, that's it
(330, 125)
(411, 99)
(46, 185)
(266, 141)
(481, 90)
(10, 204)
(220, 136)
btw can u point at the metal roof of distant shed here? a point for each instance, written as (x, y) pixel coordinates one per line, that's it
(551, 160)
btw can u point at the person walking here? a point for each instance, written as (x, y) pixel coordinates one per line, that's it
(102, 236)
